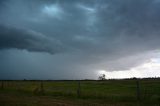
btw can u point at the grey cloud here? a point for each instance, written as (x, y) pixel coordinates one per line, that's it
(11, 37)
(97, 33)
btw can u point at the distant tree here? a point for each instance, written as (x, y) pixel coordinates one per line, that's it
(102, 77)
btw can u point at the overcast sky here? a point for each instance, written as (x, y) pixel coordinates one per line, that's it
(79, 39)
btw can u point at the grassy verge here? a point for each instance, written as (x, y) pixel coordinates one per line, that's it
(93, 93)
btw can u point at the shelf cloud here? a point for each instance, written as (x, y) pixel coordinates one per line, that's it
(76, 38)
(11, 37)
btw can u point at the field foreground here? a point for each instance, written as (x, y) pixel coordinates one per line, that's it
(144, 92)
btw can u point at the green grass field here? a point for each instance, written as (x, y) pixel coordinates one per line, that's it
(89, 93)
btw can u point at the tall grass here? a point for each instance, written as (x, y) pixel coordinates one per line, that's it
(113, 92)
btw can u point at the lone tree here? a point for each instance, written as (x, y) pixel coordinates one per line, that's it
(102, 77)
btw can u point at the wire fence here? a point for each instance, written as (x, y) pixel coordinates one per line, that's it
(109, 90)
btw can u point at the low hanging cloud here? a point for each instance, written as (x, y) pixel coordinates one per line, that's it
(11, 37)
(112, 35)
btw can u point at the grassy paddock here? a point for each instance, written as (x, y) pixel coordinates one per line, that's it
(87, 93)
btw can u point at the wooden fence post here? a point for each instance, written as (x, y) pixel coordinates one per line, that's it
(2, 85)
(138, 90)
(79, 89)
(42, 88)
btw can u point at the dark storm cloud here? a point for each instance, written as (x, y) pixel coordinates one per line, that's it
(93, 34)
(11, 37)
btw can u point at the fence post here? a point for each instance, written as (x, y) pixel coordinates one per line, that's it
(138, 91)
(42, 88)
(2, 85)
(79, 89)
